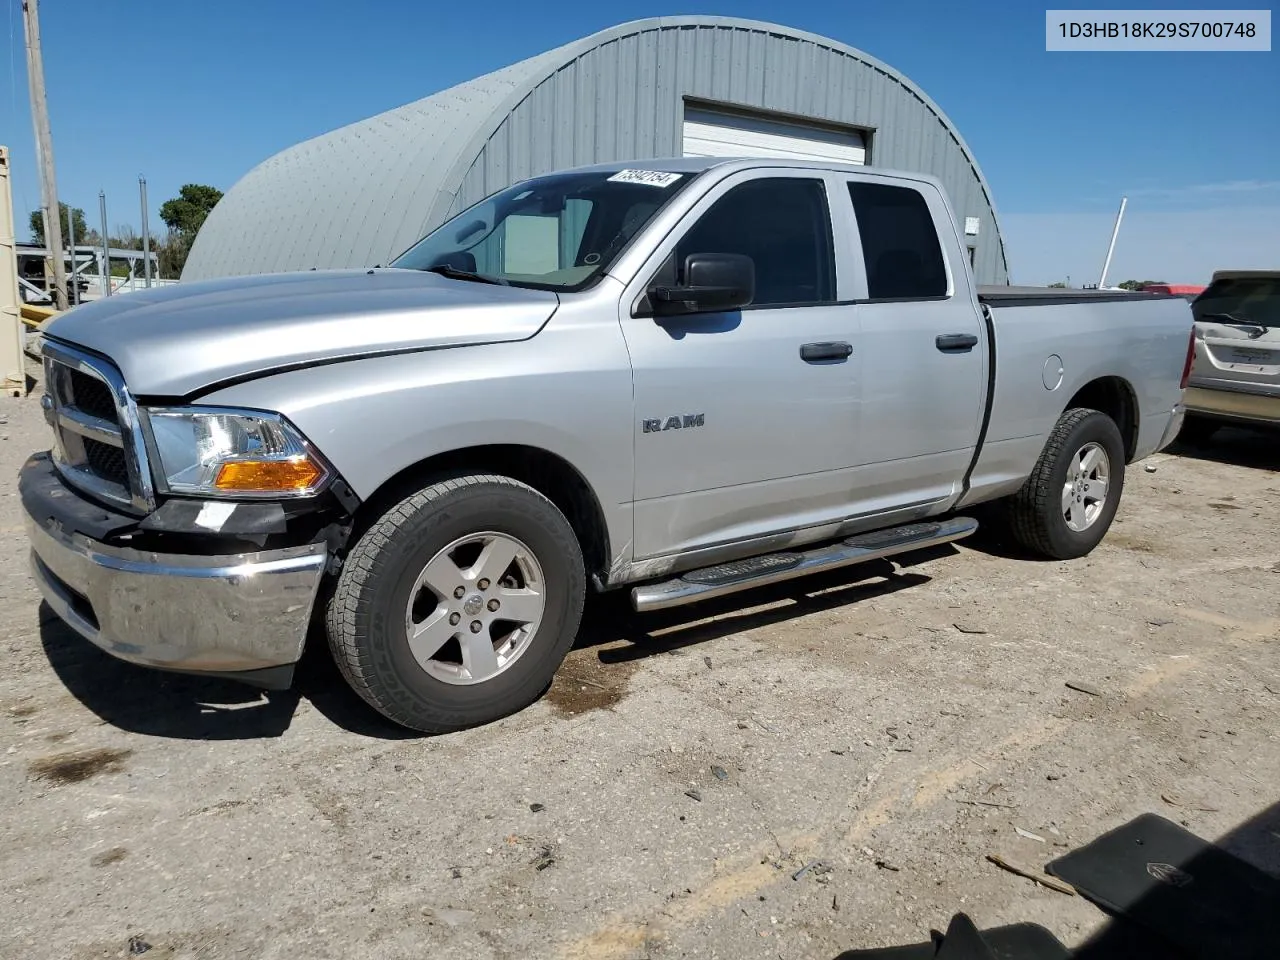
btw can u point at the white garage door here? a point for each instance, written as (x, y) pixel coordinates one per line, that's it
(708, 134)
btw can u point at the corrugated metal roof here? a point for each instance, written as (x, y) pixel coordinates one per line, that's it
(365, 192)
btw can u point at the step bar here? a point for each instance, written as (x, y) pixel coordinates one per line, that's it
(726, 578)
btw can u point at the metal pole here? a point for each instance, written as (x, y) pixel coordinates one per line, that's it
(1106, 264)
(71, 245)
(106, 245)
(146, 237)
(48, 182)
(44, 226)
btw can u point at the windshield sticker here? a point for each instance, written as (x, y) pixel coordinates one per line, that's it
(654, 178)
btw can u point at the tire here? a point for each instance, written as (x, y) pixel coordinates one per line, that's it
(1040, 517)
(1198, 431)
(371, 613)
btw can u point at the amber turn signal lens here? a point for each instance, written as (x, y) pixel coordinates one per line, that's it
(265, 476)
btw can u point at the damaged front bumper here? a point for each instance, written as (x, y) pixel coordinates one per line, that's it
(242, 616)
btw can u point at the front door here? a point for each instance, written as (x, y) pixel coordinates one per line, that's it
(744, 420)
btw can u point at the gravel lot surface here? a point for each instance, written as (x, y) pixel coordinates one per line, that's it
(896, 723)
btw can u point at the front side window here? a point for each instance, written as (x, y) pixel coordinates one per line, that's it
(558, 232)
(784, 226)
(899, 243)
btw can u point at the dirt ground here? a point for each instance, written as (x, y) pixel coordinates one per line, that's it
(896, 723)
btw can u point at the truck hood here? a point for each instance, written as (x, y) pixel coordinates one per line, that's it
(174, 341)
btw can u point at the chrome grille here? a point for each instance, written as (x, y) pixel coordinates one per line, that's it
(106, 461)
(91, 395)
(98, 445)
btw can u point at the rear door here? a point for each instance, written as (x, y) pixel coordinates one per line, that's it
(922, 346)
(745, 419)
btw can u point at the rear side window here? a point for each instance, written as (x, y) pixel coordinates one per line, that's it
(899, 243)
(784, 226)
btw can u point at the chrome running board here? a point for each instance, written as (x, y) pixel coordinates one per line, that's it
(725, 578)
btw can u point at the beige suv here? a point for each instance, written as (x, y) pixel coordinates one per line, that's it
(1235, 377)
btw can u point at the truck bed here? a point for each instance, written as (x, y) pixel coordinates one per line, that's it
(1132, 342)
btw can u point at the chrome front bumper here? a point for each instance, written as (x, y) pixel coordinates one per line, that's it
(230, 614)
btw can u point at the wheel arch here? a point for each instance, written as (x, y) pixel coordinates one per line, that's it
(1115, 397)
(550, 474)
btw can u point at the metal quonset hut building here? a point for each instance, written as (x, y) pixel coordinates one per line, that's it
(697, 86)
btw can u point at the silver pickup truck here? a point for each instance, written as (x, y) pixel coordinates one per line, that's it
(684, 378)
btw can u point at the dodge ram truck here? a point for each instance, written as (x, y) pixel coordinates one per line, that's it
(681, 378)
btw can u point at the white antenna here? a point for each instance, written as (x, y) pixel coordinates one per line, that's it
(1106, 264)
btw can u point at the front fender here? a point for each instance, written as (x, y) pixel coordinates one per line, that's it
(566, 391)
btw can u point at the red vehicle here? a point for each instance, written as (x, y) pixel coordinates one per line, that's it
(1184, 290)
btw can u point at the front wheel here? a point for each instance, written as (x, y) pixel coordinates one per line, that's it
(456, 607)
(1067, 504)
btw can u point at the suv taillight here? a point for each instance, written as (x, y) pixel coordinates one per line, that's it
(1191, 357)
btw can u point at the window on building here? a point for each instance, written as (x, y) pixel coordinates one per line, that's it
(784, 226)
(899, 243)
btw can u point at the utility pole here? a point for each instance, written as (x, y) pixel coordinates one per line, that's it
(146, 236)
(44, 149)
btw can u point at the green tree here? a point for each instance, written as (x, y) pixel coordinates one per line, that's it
(187, 211)
(1057, 284)
(36, 222)
(184, 215)
(1136, 284)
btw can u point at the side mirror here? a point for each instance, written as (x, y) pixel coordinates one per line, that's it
(713, 282)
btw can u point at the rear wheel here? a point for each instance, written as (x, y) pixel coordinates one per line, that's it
(456, 607)
(1067, 504)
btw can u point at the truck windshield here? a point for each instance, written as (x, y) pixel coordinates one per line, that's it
(1251, 300)
(558, 232)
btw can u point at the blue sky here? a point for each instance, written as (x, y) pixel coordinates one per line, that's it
(185, 92)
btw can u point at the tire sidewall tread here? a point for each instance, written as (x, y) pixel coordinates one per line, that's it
(1035, 511)
(365, 615)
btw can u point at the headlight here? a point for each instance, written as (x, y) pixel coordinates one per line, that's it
(212, 451)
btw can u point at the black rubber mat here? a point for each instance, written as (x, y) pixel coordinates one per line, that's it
(1198, 898)
(963, 941)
